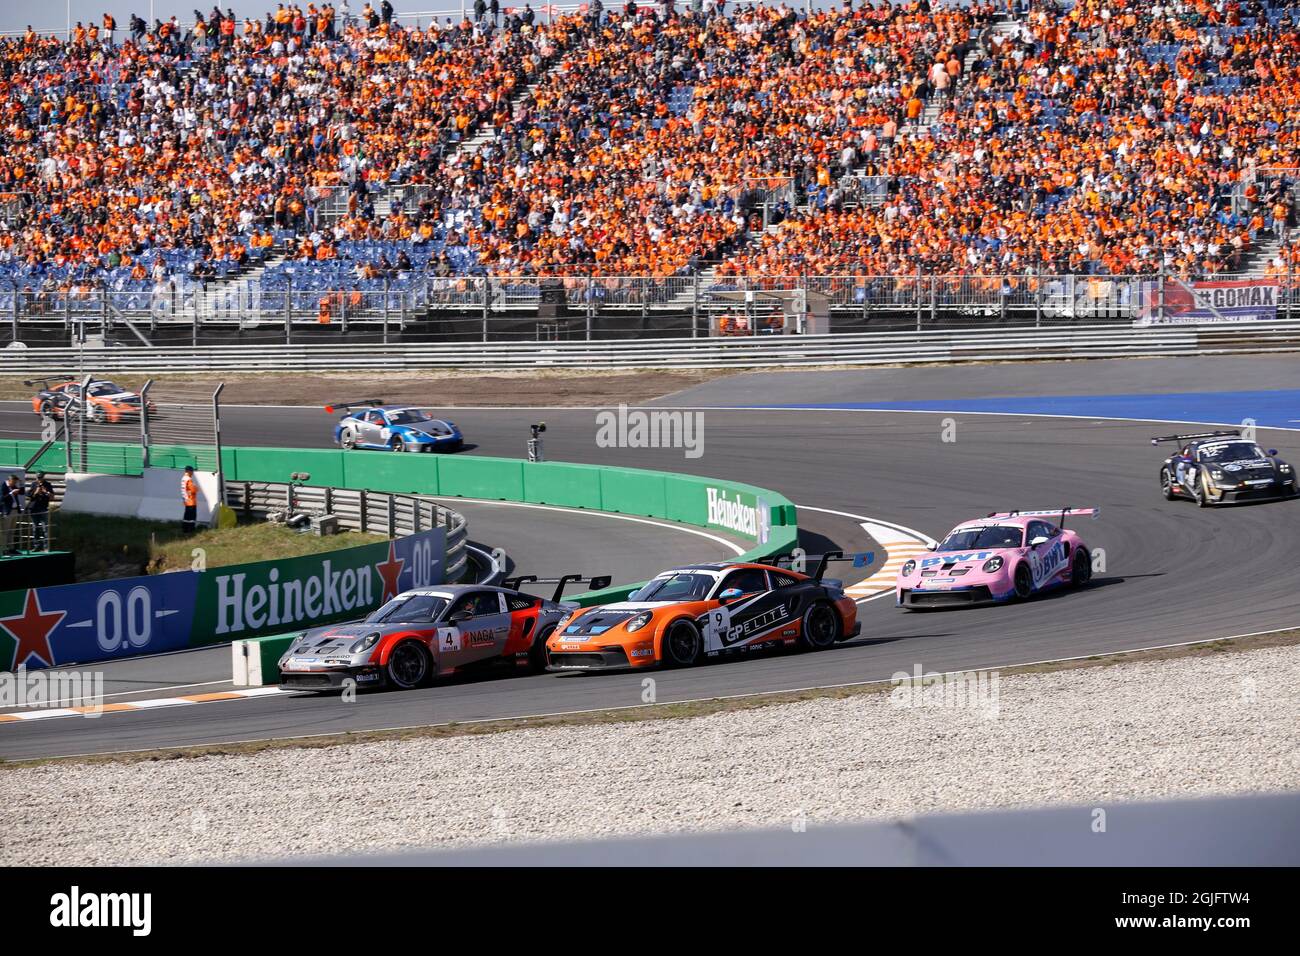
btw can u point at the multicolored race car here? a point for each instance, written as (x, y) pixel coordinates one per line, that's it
(1216, 468)
(700, 611)
(1002, 557)
(426, 633)
(105, 401)
(372, 424)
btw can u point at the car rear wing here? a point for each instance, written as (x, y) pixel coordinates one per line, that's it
(333, 407)
(595, 582)
(45, 382)
(1234, 433)
(1059, 513)
(860, 559)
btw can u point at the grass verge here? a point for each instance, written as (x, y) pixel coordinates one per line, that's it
(667, 711)
(109, 547)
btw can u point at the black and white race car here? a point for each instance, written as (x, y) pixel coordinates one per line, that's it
(1214, 468)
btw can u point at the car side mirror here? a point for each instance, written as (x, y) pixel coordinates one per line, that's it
(463, 615)
(730, 594)
(1041, 539)
(1272, 453)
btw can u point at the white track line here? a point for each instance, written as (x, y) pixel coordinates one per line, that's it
(92, 710)
(899, 542)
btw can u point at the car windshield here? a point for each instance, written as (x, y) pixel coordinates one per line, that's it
(410, 609)
(678, 587)
(105, 388)
(408, 416)
(1231, 451)
(995, 536)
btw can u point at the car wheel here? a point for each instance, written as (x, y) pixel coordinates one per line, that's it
(94, 413)
(396, 444)
(821, 627)
(348, 440)
(408, 666)
(47, 410)
(1080, 568)
(1024, 582)
(682, 644)
(537, 653)
(1199, 494)
(1167, 484)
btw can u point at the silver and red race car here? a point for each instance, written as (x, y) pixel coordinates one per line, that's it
(430, 632)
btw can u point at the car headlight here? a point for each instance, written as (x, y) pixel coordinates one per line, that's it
(1216, 474)
(638, 622)
(908, 567)
(993, 564)
(1285, 469)
(364, 644)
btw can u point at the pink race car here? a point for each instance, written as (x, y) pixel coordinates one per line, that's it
(1006, 556)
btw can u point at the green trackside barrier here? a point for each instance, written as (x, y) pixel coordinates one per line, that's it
(500, 479)
(564, 485)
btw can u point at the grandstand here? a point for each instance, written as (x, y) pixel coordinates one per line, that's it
(979, 158)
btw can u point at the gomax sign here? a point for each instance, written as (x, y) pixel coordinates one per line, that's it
(1181, 301)
(103, 620)
(740, 512)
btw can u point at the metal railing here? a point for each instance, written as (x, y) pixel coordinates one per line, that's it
(400, 297)
(372, 512)
(751, 351)
(596, 307)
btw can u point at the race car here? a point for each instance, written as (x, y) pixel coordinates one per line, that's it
(1215, 468)
(700, 611)
(1004, 556)
(429, 632)
(106, 401)
(374, 425)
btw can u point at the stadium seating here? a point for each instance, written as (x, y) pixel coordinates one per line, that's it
(1093, 137)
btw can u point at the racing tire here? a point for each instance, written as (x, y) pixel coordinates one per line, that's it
(1167, 485)
(821, 626)
(537, 653)
(1080, 568)
(1023, 581)
(47, 410)
(396, 444)
(95, 414)
(682, 644)
(348, 441)
(408, 666)
(1199, 494)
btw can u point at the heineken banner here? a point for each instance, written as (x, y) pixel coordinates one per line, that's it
(739, 512)
(105, 620)
(1185, 301)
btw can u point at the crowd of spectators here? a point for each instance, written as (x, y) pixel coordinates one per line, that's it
(1094, 137)
(1107, 136)
(189, 147)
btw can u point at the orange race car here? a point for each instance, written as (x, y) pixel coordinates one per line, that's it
(106, 402)
(706, 610)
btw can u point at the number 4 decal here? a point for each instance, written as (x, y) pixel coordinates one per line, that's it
(448, 639)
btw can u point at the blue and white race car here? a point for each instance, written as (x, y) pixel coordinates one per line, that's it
(374, 425)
